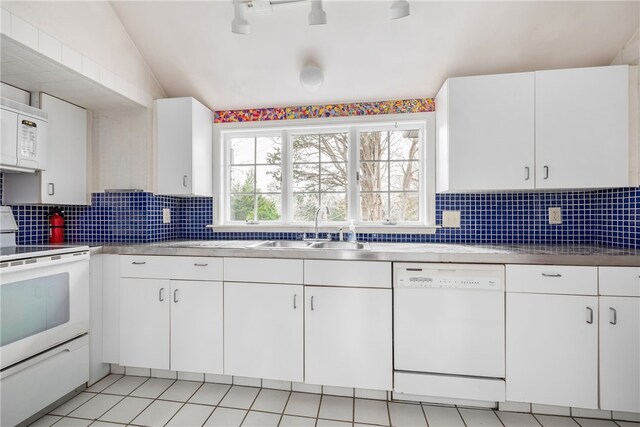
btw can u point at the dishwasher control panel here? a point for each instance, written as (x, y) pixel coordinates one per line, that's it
(449, 276)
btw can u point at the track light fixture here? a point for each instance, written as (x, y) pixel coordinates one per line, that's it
(317, 16)
(399, 9)
(240, 25)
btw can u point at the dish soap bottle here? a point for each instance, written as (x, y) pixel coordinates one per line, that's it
(352, 230)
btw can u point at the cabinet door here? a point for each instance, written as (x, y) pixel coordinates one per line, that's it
(173, 146)
(620, 354)
(65, 179)
(196, 326)
(552, 349)
(582, 128)
(348, 337)
(144, 323)
(491, 139)
(263, 332)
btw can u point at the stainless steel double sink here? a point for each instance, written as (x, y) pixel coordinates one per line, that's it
(303, 244)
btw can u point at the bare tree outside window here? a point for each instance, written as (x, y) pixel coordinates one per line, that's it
(389, 176)
(320, 175)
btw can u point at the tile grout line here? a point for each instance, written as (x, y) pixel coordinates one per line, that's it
(183, 403)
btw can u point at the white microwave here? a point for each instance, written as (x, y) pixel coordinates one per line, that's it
(23, 147)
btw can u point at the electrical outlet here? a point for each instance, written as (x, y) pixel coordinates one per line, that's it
(555, 215)
(451, 219)
(166, 216)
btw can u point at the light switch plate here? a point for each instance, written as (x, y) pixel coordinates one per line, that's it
(451, 219)
(166, 216)
(555, 215)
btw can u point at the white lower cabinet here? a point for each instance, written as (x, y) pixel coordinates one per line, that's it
(171, 324)
(552, 349)
(144, 323)
(348, 339)
(196, 326)
(620, 339)
(263, 330)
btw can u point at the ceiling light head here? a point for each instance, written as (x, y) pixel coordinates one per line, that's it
(240, 25)
(317, 16)
(311, 77)
(399, 9)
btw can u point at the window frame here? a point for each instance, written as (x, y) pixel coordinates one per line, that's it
(354, 126)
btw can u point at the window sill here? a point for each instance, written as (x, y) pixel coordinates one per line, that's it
(380, 229)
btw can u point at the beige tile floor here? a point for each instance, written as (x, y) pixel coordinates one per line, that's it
(120, 400)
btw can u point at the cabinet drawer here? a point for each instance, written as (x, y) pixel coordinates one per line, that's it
(171, 267)
(620, 281)
(262, 270)
(364, 274)
(552, 279)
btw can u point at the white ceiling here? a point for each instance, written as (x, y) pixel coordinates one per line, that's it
(365, 56)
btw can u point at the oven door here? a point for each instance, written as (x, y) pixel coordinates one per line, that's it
(43, 302)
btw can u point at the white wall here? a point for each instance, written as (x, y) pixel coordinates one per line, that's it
(93, 29)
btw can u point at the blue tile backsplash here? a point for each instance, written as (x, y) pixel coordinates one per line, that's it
(609, 217)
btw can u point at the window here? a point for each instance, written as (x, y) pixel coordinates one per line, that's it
(390, 176)
(320, 175)
(371, 171)
(255, 190)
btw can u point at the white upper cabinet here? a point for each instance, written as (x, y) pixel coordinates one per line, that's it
(485, 128)
(582, 128)
(64, 182)
(556, 129)
(184, 138)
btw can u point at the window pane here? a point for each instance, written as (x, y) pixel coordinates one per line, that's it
(268, 150)
(404, 145)
(373, 206)
(337, 204)
(242, 179)
(404, 207)
(374, 146)
(304, 206)
(334, 147)
(404, 176)
(333, 176)
(242, 207)
(373, 176)
(269, 207)
(268, 179)
(305, 148)
(305, 177)
(242, 151)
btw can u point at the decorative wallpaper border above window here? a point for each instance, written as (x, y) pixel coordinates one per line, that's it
(419, 105)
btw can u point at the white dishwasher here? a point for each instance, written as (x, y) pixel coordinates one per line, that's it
(449, 332)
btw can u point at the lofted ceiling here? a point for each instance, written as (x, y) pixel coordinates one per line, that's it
(365, 56)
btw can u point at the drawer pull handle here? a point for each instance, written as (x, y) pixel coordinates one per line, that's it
(614, 320)
(552, 275)
(414, 269)
(200, 265)
(546, 172)
(295, 306)
(175, 296)
(311, 303)
(589, 315)
(161, 294)
(526, 175)
(139, 262)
